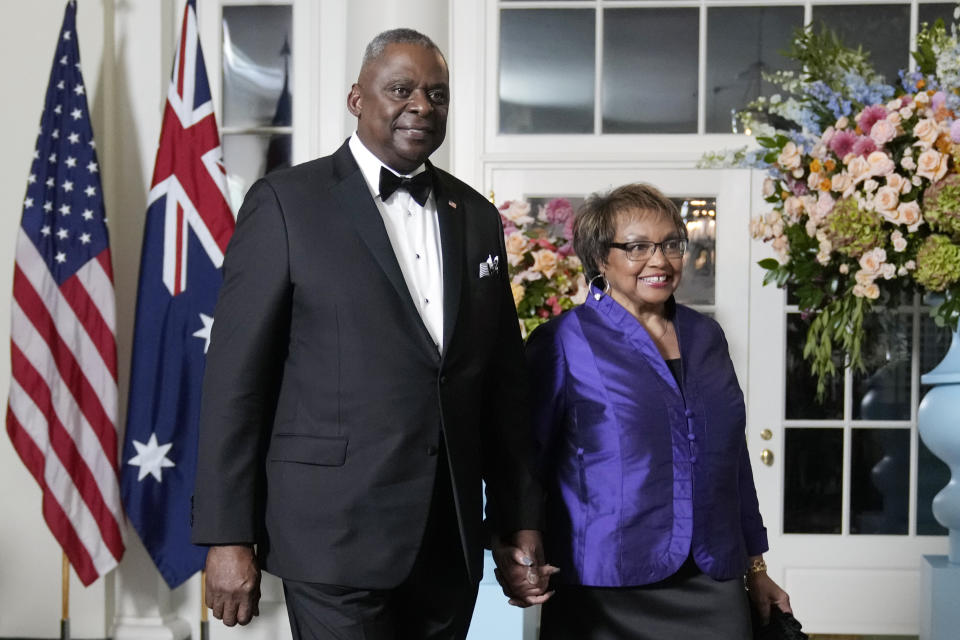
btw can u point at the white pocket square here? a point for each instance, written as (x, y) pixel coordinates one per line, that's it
(490, 266)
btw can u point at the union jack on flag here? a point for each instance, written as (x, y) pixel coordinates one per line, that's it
(62, 410)
(188, 226)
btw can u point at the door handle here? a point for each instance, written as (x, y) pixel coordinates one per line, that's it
(766, 457)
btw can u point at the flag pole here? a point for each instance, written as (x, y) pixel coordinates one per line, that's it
(65, 599)
(204, 622)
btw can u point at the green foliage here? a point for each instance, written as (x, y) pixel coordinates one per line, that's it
(925, 55)
(839, 325)
(941, 205)
(938, 263)
(853, 229)
(823, 56)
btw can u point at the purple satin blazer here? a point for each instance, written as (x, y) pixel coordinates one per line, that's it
(640, 473)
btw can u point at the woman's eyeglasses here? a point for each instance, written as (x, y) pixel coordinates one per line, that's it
(644, 249)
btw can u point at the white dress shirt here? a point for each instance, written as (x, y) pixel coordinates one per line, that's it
(414, 233)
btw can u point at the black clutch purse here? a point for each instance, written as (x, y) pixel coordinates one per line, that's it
(782, 626)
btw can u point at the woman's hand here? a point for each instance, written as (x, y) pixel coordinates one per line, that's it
(764, 592)
(521, 570)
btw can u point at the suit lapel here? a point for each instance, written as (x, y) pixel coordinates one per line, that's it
(450, 216)
(353, 194)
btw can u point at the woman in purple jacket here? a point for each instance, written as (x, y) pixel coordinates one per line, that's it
(652, 512)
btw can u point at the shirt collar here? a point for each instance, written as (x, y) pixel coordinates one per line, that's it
(370, 164)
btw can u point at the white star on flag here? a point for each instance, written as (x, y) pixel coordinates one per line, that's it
(67, 185)
(76, 114)
(27, 203)
(71, 162)
(204, 332)
(151, 458)
(61, 257)
(74, 138)
(92, 167)
(90, 191)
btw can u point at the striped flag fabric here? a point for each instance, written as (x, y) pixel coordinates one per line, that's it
(188, 225)
(62, 409)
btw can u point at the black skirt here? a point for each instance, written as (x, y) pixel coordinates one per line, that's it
(689, 605)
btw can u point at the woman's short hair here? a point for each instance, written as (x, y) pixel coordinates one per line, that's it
(596, 222)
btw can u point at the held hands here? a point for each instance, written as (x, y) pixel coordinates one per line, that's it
(521, 569)
(764, 592)
(233, 584)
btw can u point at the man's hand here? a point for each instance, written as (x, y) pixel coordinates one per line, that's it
(233, 583)
(521, 569)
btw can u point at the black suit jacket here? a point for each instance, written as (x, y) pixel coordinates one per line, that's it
(324, 396)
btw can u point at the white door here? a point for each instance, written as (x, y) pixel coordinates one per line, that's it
(846, 495)
(716, 208)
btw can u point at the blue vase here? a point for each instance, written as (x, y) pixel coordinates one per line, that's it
(938, 422)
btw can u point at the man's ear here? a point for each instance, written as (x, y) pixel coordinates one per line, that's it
(354, 100)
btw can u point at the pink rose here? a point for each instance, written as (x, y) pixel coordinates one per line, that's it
(899, 242)
(908, 213)
(545, 261)
(517, 244)
(927, 131)
(887, 198)
(791, 156)
(898, 182)
(872, 261)
(883, 131)
(880, 163)
(840, 181)
(516, 211)
(932, 165)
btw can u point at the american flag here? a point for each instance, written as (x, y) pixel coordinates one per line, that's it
(188, 225)
(62, 411)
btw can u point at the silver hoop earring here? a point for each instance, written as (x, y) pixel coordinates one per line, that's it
(606, 286)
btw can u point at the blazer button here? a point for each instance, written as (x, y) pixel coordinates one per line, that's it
(432, 450)
(691, 437)
(443, 379)
(688, 413)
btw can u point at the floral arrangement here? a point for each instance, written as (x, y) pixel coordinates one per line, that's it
(864, 187)
(545, 274)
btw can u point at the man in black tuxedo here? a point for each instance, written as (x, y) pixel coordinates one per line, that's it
(364, 374)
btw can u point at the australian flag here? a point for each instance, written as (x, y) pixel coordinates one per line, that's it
(188, 225)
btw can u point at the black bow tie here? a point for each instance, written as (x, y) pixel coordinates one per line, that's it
(418, 186)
